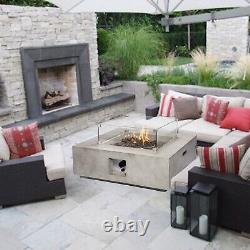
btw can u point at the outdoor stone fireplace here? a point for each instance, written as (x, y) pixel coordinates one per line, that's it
(56, 77)
(49, 72)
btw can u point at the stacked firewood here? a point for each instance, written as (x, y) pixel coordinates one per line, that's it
(54, 98)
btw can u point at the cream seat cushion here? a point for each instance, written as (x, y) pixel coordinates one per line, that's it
(183, 175)
(231, 138)
(205, 131)
(54, 161)
(4, 148)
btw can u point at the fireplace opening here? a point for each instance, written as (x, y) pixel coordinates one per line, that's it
(58, 87)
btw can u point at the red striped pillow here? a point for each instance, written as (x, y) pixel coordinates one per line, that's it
(224, 160)
(216, 110)
(166, 105)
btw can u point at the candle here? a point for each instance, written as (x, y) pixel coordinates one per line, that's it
(180, 217)
(203, 224)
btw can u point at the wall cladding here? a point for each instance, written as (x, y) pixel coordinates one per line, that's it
(32, 27)
(223, 36)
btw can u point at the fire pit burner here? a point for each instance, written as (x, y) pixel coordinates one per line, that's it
(137, 140)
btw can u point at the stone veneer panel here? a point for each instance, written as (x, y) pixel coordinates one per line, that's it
(68, 126)
(35, 27)
(225, 35)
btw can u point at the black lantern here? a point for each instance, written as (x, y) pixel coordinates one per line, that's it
(179, 207)
(203, 211)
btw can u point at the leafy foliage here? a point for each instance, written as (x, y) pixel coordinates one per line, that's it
(178, 35)
(132, 46)
(182, 51)
(180, 76)
(103, 38)
(241, 73)
(37, 3)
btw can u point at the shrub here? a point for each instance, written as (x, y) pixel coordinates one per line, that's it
(132, 46)
(102, 40)
(182, 51)
(241, 73)
(180, 76)
(206, 65)
(176, 76)
(106, 72)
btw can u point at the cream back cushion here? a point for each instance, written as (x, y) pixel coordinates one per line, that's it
(247, 103)
(234, 102)
(4, 148)
(244, 171)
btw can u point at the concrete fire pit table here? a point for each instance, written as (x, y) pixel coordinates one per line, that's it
(151, 168)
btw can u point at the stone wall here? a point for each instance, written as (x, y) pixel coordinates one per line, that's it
(228, 39)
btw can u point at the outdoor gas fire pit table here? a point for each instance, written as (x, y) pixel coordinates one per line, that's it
(135, 156)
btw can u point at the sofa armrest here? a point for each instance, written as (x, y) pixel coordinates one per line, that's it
(152, 111)
(234, 197)
(22, 163)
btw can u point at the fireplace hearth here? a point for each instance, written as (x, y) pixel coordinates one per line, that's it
(56, 78)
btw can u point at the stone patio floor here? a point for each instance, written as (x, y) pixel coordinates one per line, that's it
(76, 221)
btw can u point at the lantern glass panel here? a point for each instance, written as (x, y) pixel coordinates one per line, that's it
(203, 212)
(179, 208)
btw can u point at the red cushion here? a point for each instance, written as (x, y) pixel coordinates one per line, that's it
(23, 140)
(237, 118)
(216, 110)
(223, 159)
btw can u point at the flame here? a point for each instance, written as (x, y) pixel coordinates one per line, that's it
(144, 136)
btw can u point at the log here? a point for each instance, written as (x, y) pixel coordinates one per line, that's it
(50, 101)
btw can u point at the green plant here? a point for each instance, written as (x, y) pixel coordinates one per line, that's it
(176, 76)
(154, 86)
(37, 3)
(102, 40)
(180, 76)
(182, 51)
(206, 65)
(241, 73)
(132, 46)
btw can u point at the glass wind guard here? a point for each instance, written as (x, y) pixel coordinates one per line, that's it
(134, 137)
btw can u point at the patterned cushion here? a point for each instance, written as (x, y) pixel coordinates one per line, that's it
(216, 110)
(23, 140)
(166, 103)
(245, 166)
(222, 159)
